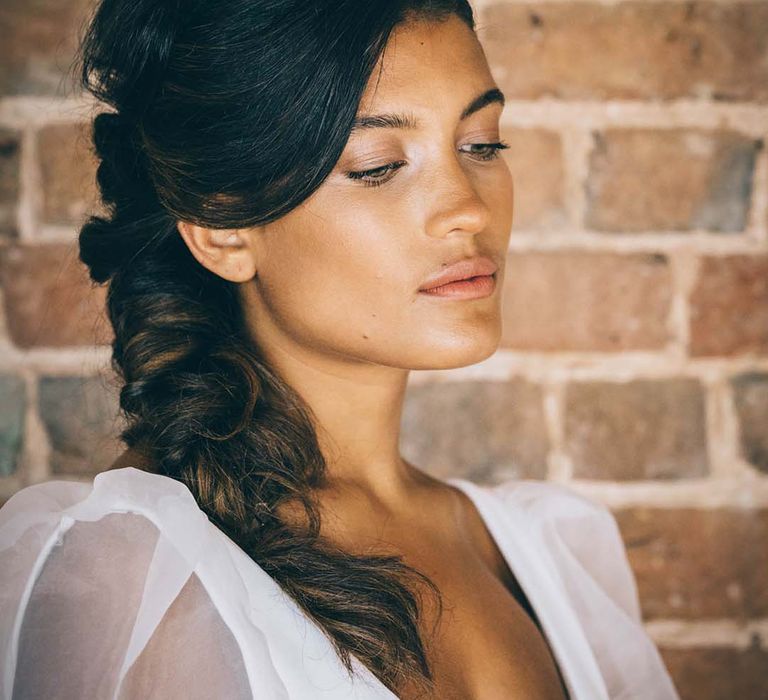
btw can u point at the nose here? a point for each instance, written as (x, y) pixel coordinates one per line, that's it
(456, 205)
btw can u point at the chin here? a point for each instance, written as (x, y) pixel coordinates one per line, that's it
(461, 351)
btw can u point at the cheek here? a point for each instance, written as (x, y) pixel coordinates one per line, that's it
(339, 275)
(499, 195)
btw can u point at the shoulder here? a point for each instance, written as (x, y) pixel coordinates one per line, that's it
(549, 500)
(580, 534)
(128, 481)
(562, 513)
(123, 508)
(104, 575)
(115, 490)
(575, 544)
(581, 541)
(119, 512)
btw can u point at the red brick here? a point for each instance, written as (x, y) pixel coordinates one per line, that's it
(83, 423)
(698, 563)
(39, 40)
(670, 179)
(486, 431)
(718, 673)
(585, 301)
(49, 299)
(643, 429)
(729, 306)
(10, 155)
(68, 168)
(535, 158)
(628, 50)
(750, 397)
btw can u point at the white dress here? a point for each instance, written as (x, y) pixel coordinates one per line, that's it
(124, 589)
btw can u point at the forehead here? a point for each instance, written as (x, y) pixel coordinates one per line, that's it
(427, 61)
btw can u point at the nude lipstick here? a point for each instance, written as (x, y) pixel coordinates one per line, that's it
(470, 278)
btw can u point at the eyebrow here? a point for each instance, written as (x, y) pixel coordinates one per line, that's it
(408, 121)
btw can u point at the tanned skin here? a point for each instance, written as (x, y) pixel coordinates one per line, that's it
(331, 298)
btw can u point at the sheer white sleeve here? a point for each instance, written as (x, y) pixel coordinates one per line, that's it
(123, 589)
(104, 608)
(590, 558)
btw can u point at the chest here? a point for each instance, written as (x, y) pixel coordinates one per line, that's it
(487, 643)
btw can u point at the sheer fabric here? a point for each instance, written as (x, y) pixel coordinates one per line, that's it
(123, 589)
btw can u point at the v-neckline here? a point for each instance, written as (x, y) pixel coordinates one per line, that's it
(530, 563)
(532, 568)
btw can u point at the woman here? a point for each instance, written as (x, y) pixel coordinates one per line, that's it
(294, 189)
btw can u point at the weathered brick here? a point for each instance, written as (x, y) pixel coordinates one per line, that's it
(486, 431)
(10, 154)
(12, 409)
(628, 50)
(585, 301)
(81, 417)
(718, 673)
(670, 179)
(535, 158)
(750, 395)
(698, 563)
(49, 299)
(68, 169)
(729, 306)
(642, 429)
(39, 40)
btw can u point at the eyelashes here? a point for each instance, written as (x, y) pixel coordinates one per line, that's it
(378, 176)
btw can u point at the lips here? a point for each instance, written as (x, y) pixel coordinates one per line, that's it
(461, 270)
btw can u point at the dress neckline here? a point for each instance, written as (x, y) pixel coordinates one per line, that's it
(520, 543)
(525, 602)
(528, 560)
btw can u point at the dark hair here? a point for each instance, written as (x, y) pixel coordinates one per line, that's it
(230, 114)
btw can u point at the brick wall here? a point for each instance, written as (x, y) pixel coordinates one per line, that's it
(634, 361)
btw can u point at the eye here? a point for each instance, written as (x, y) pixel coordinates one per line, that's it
(376, 177)
(487, 151)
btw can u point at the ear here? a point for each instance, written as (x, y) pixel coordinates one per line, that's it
(225, 252)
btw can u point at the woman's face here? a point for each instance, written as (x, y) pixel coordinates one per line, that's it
(341, 273)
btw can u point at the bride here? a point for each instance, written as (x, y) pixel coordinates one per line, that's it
(304, 201)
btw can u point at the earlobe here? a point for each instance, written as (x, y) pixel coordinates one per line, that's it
(225, 252)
